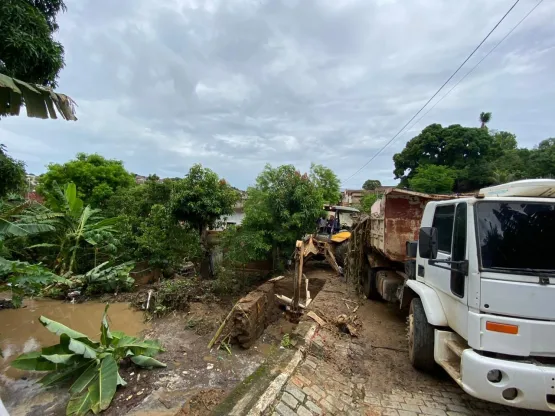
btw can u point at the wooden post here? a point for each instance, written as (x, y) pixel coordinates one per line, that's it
(298, 277)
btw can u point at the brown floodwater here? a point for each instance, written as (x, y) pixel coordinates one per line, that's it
(21, 330)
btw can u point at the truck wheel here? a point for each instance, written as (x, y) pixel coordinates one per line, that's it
(421, 338)
(370, 290)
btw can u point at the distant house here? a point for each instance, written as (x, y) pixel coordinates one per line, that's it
(139, 179)
(238, 213)
(351, 197)
(32, 182)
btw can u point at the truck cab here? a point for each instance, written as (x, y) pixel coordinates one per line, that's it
(482, 301)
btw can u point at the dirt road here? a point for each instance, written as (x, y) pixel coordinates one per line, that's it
(370, 374)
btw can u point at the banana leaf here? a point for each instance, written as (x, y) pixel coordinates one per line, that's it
(85, 379)
(59, 329)
(66, 374)
(33, 361)
(147, 362)
(105, 335)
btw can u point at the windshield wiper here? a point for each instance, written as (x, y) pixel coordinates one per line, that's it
(528, 271)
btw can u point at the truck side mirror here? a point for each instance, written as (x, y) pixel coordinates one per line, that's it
(427, 242)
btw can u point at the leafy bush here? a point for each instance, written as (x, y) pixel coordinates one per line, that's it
(103, 279)
(27, 279)
(91, 367)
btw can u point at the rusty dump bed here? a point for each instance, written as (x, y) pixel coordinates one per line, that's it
(396, 219)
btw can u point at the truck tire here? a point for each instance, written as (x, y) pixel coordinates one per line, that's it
(421, 338)
(369, 287)
(341, 252)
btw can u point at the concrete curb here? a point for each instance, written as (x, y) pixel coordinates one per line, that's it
(271, 393)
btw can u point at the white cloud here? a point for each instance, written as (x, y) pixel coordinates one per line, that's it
(234, 84)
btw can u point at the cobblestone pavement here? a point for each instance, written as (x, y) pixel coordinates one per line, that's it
(317, 388)
(370, 374)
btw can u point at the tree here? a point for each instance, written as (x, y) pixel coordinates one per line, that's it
(371, 184)
(284, 205)
(367, 201)
(327, 183)
(484, 119)
(95, 177)
(433, 179)
(541, 162)
(466, 150)
(200, 199)
(80, 230)
(504, 141)
(12, 173)
(28, 50)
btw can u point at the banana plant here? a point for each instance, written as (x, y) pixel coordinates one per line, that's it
(90, 368)
(78, 227)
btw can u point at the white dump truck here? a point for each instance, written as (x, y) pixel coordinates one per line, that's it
(477, 275)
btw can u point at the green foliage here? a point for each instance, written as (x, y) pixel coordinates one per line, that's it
(468, 151)
(371, 184)
(484, 119)
(241, 246)
(81, 232)
(367, 201)
(541, 161)
(284, 206)
(201, 198)
(12, 172)
(433, 179)
(286, 341)
(327, 182)
(148, 229)
(26, 279)
(164, 241)
(28, 50)
(104, 278)
(90, 368)
(95, 177)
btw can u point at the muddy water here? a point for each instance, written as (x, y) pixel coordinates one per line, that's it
(21, 331)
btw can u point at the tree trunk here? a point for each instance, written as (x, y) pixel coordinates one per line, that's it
(205, 266)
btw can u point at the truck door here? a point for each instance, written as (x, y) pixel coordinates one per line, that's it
(451, 285)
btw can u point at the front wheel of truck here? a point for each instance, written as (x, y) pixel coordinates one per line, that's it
(421, 338)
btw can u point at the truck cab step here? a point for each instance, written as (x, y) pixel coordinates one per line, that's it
(456, 346)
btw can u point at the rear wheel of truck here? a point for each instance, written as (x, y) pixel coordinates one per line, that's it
(369, 287)
(421, 338)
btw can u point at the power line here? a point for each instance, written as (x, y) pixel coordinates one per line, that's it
(437, 92)
(479, 62)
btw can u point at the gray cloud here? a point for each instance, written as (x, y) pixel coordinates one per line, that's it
(235, 84)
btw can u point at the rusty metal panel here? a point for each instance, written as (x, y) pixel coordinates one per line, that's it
(403, 213)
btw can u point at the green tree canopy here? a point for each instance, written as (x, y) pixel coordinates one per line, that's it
(367, 201)
(541, 162)
(28, 50)
(327, 183)
(371, 184)
(149, 230)
(484, 119)
(284, 205)
(201, 198)
(466, 150)
(433, 179)
(96, 178)
(12, 173)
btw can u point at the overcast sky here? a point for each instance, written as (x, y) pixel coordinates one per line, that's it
(236, 84)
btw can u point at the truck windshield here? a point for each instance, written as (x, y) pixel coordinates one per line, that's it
(516, 235)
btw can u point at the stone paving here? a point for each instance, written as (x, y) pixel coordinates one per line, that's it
(317, 388)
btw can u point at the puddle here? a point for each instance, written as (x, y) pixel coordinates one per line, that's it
(21, 331)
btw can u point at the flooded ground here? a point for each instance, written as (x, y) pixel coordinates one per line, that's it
(21, 331)
(194, 375)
